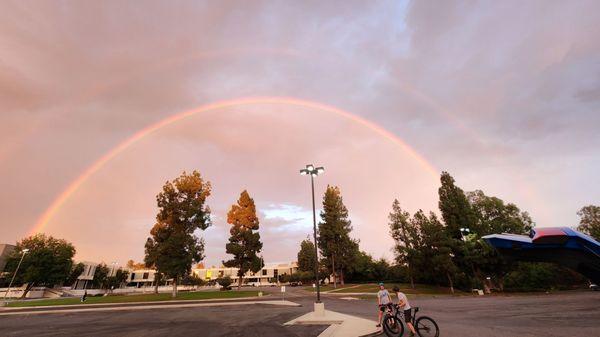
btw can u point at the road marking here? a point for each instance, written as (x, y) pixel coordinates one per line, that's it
(145, 307)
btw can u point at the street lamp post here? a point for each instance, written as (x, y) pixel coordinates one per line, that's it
(24, 251)
(464, 230)
(313, 171)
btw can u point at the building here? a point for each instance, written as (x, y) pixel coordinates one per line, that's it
(85, 279)
(268, 275)
(141, 278)
(5, 251)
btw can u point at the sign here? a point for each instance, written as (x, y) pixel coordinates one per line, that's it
(282, 289)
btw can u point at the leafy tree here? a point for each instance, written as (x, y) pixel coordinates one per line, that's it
(306, 256)
(363, 269)
(405, 236)
(135, 265)
(244, 243)
(48, 262)
(284, 278)
(590, 221)
(101, 276)
(173, 247)
(334, 241)
(192, 280)
(75, 272)
(540, 276)
(493, 216)
(305, 276)
(116, 280)
(381, 270)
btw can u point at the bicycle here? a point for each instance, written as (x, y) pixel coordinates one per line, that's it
(393, 326)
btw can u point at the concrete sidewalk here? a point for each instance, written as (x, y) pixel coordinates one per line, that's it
(340, 325)
(157, 305)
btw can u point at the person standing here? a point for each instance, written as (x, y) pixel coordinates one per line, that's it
(405, 306)
(383, 300)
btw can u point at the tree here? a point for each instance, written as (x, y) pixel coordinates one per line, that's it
(455, 207)
(192, 280)
(49, 261)
(100, 279)
(436, 247)
(244, 243)
(334, 241)
(173, 247)
(306, 256)
(75, 272)
(492, 215)
(363, 269)
(224, 282)
(590, 221)
(405, 236)
(116, 280)
(135, 265)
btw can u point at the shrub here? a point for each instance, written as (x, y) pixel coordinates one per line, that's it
(225, 282)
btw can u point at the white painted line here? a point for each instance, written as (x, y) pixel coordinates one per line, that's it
(133, 303)
(330, 331)
(146, 307)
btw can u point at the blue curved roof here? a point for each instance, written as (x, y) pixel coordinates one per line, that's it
(562, 245)
(545, 238)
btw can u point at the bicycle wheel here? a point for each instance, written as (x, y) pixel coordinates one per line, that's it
(427, 327)
(392, 326)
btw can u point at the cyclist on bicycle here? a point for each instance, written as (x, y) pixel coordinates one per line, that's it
(383, 300)
(405, 306)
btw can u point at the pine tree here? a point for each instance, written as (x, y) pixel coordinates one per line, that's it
(334, 241)
(454, 206)
(244, 243)
(436, 247)
(173, 247)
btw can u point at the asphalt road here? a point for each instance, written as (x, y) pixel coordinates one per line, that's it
(564, 314)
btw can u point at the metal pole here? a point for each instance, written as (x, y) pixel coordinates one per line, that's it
(312, 184)
(15, 274)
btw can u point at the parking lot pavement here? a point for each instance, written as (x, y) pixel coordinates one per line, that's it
(243, 320)
(563, 314)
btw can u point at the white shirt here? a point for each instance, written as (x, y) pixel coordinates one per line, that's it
(384, 297)
(402, 298)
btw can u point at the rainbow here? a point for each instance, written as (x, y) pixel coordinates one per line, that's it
(120, 148)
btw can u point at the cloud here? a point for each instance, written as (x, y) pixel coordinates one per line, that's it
(502, 95)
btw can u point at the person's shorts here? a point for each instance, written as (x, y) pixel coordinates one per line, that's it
(408, 315)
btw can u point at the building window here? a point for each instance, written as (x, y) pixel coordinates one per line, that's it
(275, 272)
(264, 272)
(145, 277)
(132, 276)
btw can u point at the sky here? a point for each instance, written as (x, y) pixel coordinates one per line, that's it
(504, 95)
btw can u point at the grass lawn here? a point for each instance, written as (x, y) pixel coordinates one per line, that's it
(328, 287)
(420, 289)
(198, 295)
